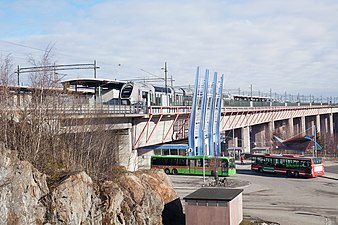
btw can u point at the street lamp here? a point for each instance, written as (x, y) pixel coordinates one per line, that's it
(165, 76)
(165, 82)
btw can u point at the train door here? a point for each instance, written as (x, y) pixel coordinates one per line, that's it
(145, 98)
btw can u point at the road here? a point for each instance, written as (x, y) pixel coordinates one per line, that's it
(332, 169)
(288, 201)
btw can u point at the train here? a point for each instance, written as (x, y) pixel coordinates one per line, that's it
(137, 93)
(142, 94)
(145, 94)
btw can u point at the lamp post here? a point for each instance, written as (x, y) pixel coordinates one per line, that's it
(165, 82)
(165, 77)
(251, 102)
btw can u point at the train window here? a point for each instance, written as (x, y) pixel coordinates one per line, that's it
(126, 91)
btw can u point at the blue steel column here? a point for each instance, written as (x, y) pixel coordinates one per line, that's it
(212, 117)
(201, 133)
(218, 119)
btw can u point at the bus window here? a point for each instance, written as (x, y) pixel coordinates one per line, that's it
(304, 163)
(225, 163)
(295, 163)
(208, 162)
(292, 163)
(166, 152)
(182, 162)
(170, 161)
(173, 152)
(259, 160)
(192, 162)
(199, 163)
(157, 152)
(307, 163)
(232, 163)
(182, 152)
(157, 161)
(289, 163)
(282, 163)
(268, 162)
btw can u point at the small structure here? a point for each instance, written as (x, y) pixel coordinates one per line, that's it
(214, 206)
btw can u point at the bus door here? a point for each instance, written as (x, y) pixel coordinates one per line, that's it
(225, 166)
(192, 166)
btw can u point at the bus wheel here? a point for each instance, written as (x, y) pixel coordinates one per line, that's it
(174, 171)
(296, 174)
(167, 171)
(260, 169)
(288, 173)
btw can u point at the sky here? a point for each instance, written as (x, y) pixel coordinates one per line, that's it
(279, 45)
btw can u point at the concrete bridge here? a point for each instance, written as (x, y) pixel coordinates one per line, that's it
(244, 127)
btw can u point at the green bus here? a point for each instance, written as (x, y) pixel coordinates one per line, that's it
(176, 164)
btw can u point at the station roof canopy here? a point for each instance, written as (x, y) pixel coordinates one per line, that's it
(94, 82)
(301, 143)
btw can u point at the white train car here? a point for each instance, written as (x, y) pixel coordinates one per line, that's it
(134, 93)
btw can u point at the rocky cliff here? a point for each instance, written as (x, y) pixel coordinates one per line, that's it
(133, 198)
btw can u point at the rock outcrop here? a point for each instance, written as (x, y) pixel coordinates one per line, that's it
(133, 198)
(21, 189)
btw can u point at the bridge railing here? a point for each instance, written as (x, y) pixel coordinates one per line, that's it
(132, 109)
(169, 109)
(90, 109)
(186, 109)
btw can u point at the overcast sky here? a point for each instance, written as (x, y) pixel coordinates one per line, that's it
(285, 45)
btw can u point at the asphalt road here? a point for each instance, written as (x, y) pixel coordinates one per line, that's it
(288, 201)
(332, 169)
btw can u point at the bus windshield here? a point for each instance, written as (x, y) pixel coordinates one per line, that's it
(317, 160)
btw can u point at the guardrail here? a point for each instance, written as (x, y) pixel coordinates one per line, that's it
(158, 110)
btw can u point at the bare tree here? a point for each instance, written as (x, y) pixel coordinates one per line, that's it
(6, 99)
(51, 129)
(6, 70)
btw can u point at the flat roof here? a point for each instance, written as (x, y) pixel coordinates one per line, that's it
(214, 194)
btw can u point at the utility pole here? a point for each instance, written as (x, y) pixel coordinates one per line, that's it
(315, 144)
(95, 69)
(165, 78)
(251, 101)
(18, 72)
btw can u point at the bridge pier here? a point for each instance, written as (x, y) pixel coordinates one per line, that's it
(310, 124)
(127, 155)
(246, 139)
(290, 127)
(282, 128)
(297, 126)
(261, 135)
(334, 122)
(232, 137)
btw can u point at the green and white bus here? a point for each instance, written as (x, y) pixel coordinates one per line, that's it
(176, 164)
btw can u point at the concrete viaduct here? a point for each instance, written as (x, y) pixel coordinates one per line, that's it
(244, 127)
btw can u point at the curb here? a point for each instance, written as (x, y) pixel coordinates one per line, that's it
(331, 178)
